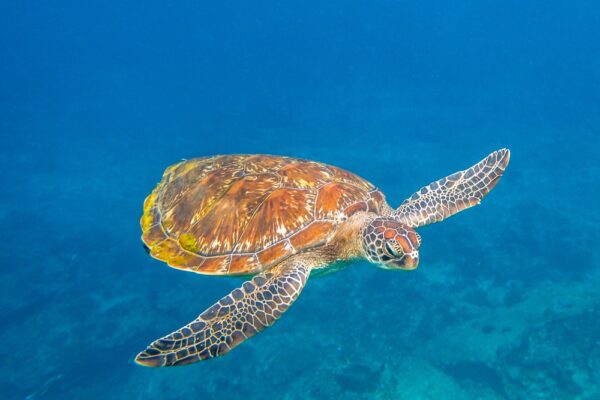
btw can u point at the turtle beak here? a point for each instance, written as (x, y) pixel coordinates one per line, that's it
(410, 262)
(407, 263)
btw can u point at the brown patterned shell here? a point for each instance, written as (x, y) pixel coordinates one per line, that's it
(242, 214)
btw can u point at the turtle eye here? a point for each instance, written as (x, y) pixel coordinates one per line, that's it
(392, 251)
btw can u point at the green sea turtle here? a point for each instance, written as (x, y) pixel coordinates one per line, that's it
(280, 218)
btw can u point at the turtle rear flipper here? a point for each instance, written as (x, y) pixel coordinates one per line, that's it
(454, 193)
(243, 313)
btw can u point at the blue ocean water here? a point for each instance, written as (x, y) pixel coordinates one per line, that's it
(98, 98)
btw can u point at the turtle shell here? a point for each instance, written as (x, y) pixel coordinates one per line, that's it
(242, 214)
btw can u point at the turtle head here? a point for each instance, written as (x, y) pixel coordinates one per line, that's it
(391, 244)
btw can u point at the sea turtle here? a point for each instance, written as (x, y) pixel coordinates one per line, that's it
(281, 218)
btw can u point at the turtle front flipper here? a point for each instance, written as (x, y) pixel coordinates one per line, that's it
(454, 193)
(243, 313)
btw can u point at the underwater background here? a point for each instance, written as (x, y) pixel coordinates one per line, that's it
(98, 98)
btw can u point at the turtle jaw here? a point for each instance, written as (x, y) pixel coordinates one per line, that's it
(408, 262)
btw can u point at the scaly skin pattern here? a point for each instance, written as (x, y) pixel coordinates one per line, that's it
(282, 218)
(243, 313)
(391, 244)
(454, 193)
